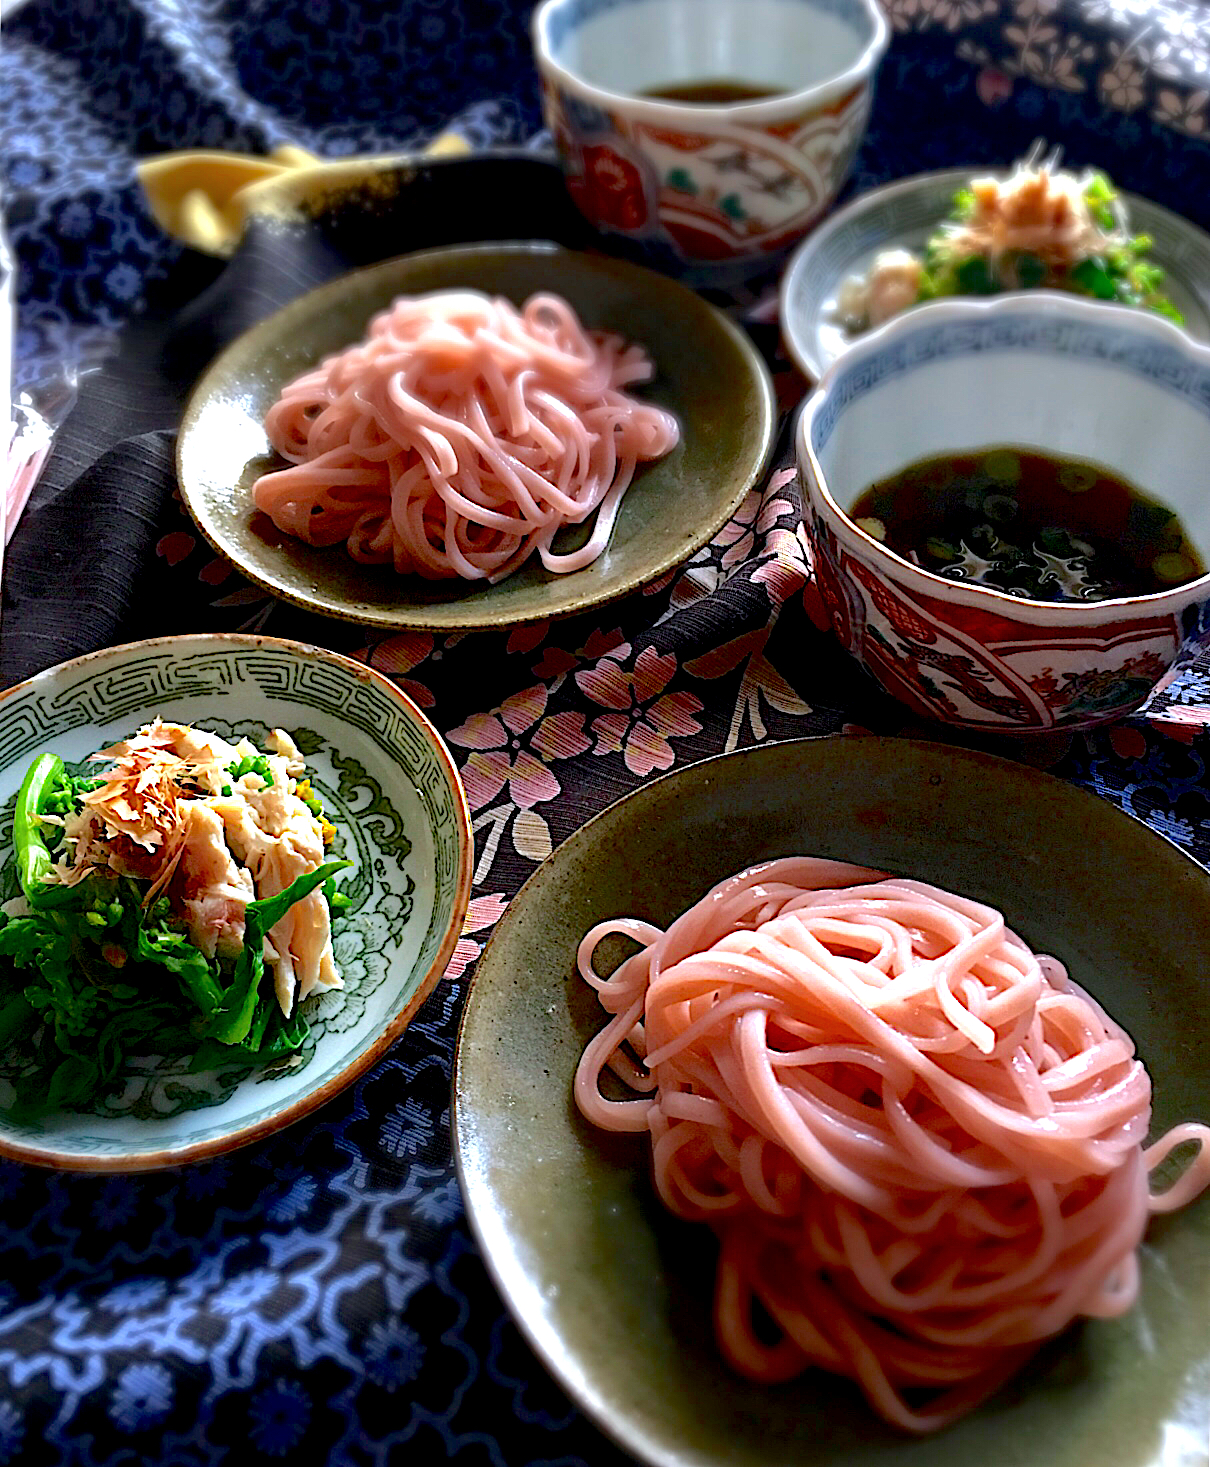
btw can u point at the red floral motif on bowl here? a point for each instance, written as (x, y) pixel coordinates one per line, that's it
(609, 189)
(716, 195)
(982, 666)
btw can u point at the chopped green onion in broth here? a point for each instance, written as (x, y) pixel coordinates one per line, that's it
(1036, 526)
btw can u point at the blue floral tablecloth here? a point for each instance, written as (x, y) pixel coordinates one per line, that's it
(318, 1296)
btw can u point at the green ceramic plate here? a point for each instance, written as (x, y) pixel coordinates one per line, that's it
(615, 1295)
(389, 787)
(707, 373)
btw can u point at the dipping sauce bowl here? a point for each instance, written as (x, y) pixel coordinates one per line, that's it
(1073, 378)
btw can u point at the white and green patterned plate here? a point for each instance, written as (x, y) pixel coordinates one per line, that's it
(902, 215)
(390, 788)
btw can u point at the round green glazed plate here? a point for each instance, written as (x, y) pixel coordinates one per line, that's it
(707, 373)
(615, 1294)
(391, 790)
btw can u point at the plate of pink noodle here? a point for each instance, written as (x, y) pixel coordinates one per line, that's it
(875, 1131)
(475, 437)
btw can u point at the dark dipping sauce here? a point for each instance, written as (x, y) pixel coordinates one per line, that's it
(717, 93)
(1036, 526)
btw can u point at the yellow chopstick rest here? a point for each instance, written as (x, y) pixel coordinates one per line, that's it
(202, 198)
(196, 196)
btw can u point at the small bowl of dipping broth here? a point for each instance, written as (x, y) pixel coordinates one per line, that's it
(710, 133)
(1007, 509)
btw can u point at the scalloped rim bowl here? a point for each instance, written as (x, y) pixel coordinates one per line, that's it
(390, 787)
(1083, 379)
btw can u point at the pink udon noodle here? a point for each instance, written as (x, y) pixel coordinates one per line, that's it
(919, 1143)
(461, 435)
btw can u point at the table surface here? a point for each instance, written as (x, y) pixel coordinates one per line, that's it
(320, 1292)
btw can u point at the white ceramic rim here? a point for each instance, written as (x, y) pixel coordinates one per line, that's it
(796, 332)
(691, 114)
(1053, 303)
(311, 1100)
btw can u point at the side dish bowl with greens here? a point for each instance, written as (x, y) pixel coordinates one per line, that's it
(180, 974)
(1041, 226)
(176, 901)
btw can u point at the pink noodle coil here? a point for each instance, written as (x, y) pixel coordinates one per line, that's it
(920, 1145)
(461, 435)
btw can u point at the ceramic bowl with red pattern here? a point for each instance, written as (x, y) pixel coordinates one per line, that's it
(1077, 379)
(713, 191)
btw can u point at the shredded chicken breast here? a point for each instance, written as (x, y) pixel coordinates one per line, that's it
(1037, 210)
(169, 812)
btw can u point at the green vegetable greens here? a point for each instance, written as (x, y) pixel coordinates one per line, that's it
(92, 976)
(252, 764)
(1122, 272)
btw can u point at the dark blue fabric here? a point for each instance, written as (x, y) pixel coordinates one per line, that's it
(88, 86)
(317, 1297)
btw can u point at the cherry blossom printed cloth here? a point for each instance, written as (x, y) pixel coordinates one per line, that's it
(1142, 63)
(319, 1293)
